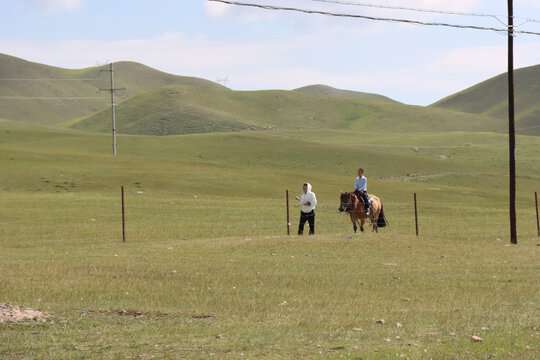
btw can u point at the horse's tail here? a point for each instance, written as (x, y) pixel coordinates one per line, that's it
(381, 220)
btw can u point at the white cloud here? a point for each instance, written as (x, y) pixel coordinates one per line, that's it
(327, 26)
(216, 9)
(239, 14)
(51, 5)
(172, 52)
(430, 80)
(283, 63)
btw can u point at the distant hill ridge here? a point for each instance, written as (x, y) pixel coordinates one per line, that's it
(183, 109)
(490, 98)
(157, 103)
(339, 93)
(50, 95)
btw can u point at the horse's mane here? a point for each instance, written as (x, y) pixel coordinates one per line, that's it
(355, 201)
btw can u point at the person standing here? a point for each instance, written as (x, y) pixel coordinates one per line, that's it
(360, 189)
(308, 201)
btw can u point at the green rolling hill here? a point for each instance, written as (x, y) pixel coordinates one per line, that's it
(490, 98)
(49, 95)
(157, 103)
(339, 93)
(180, 109)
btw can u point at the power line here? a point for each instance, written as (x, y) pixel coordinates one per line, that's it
(10, 79)
(529, 127)
(433, 11)
(50, 98)
(396, 20)
(162, 112)
(444, 12)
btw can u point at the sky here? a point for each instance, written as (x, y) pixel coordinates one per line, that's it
(257, 49)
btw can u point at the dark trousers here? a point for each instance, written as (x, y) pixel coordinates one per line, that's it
(310, 218)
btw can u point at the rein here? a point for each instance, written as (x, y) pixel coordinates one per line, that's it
(349, 203)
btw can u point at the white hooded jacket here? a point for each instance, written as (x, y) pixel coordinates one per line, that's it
(308, 197)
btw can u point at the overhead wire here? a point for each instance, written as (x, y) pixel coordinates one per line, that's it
(375, 18)
(51, 97)
(390, 7)
(402, 8)
(160, 112)
(528, 127)
(44, 79)
(432, 11)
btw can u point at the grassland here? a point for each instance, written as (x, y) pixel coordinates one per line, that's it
(207, 271)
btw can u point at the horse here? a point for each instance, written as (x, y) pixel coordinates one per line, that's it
(350, 203)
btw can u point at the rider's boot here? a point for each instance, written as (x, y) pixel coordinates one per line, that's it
(367, 205)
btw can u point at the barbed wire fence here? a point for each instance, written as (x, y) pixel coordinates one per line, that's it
(148, 218)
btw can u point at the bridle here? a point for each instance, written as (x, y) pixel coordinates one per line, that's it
(346, 206)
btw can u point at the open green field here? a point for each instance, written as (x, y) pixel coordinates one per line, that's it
(208, 270)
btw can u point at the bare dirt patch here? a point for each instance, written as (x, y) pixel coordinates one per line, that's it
(20, 314)
(439, 173)
(152, 315)
(128, 313)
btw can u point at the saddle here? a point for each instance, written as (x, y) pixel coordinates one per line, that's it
(361, 199)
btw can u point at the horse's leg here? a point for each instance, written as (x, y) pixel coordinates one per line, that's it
(354, 224)
(362, 222)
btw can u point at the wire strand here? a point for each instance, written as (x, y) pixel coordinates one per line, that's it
(52, 79)
(444, 12)
(374, 18)
(51, 98)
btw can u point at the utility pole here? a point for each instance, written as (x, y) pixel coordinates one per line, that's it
(112, 90)
(223, 81)
(511, 123)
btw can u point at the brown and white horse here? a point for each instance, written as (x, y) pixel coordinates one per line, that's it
(350, 203)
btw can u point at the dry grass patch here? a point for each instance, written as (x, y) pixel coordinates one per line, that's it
(20, 314)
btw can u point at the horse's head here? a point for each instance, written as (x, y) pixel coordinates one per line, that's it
(344, 201)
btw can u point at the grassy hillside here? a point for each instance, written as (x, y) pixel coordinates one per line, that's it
(333, 92)
(208, 272)
(156, 103)
(44, 94)
(490, 98)
(186, 109)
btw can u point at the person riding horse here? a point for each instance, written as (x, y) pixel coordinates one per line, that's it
(360, 189)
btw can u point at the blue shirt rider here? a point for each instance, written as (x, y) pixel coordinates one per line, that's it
(360, 189)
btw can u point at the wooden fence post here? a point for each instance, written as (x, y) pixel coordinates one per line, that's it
(288, 219)
(123, 217)
(537, 219)
(415, 214)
